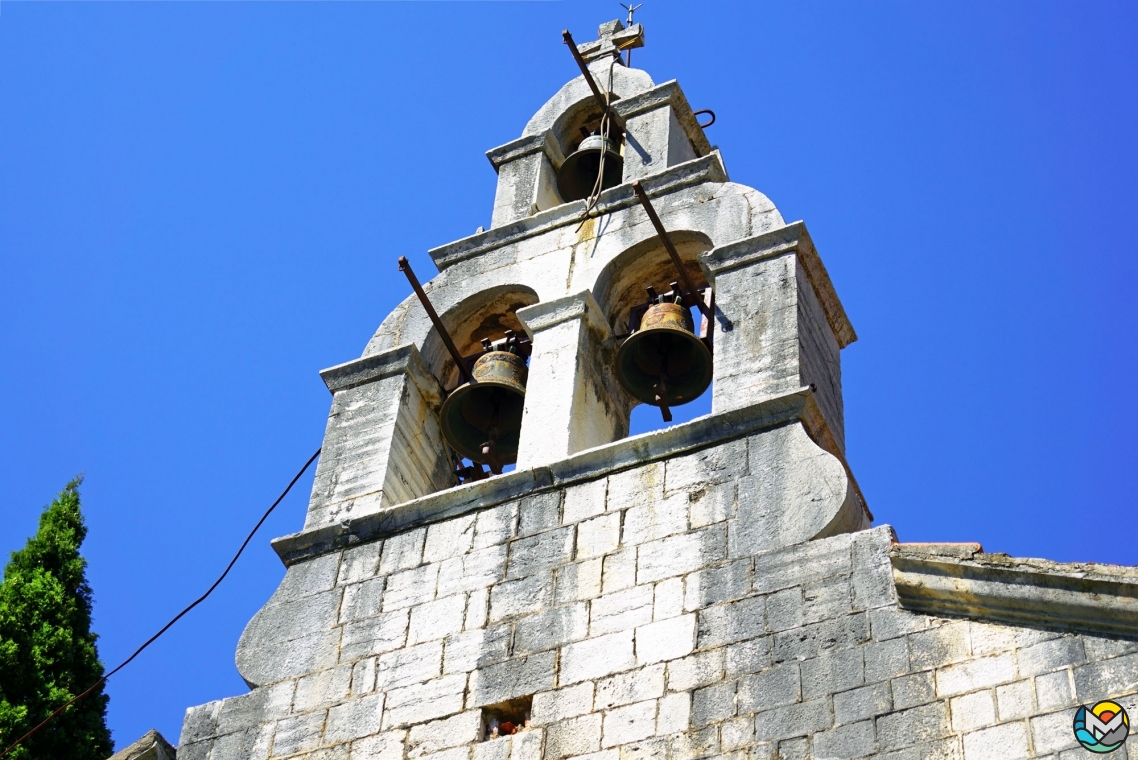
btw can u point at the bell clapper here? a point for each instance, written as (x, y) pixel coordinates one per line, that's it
(489, 455)
(661, 389)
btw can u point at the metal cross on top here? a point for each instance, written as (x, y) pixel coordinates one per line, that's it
(614, 38)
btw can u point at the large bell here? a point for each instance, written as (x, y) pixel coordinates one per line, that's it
(578, 175)
(483, 420)
(664, 361)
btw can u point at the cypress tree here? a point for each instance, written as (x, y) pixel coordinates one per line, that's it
(47, 650)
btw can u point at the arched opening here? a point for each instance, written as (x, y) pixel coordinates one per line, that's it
(593, 147)
(481, 425)
(624, 288)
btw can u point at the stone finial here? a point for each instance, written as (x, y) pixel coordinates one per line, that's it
(612, 39)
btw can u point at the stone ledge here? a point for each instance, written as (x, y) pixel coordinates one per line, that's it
(400, 360)
(961, 581)
(546, 314)
(793, 238)
(701, 433)
(674, 178)
(526, 146)
(667, 94)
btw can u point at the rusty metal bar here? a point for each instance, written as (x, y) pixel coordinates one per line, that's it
(405, 268)
(663, 233)
(600, 98)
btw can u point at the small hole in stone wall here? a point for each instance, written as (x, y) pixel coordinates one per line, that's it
(506, 718)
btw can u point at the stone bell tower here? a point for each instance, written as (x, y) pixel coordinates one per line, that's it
(710, 589)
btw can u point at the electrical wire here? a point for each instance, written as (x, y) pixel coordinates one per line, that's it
(177, 617)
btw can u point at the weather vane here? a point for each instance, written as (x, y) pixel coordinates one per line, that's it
(631, 10)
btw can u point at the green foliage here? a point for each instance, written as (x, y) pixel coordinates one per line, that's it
(47, 650)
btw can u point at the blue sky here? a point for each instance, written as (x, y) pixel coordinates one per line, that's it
(202, 203)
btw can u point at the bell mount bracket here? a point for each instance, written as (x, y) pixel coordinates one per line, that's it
(675, 295)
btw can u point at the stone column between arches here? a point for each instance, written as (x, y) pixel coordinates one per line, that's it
(572, 399)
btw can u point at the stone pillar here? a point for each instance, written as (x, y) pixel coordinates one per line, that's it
(527, 180)
(779, 324)
(572, 403)
(383, 444)
(661, 131)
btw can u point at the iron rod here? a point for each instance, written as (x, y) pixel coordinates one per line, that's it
(605, 108)
(405, 268)
(663, 233)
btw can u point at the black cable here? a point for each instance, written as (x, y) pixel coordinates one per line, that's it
(177, 617)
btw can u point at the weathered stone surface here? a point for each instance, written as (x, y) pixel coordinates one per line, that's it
(152, 746)
(577, 736)
(463, 652)
(699, 669)
(354, 720)
(437, 619)
(597, 657)
(679, 555)
(973, 711)
(914, 726)
(322, 689)
(624, 725)
(423, 702)
(793, 720)
(553, 706)
(720, 584)
(599, 536)
(626, 688)
(514, 678)
(572, 401)
(622, 610)
(673, 713)
(853, 740)
(426, 738)
(780, 685)
(382, 435)
(861, 703)
(714, 703)
(554, 627)
(665, 640)
(814, 498)
(1087, 598)
(728, 623)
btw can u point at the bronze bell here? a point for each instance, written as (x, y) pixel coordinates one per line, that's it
(578, 175)
(483, 420)
(664, 363)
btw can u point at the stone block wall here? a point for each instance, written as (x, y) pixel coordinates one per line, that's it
(641, 618)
